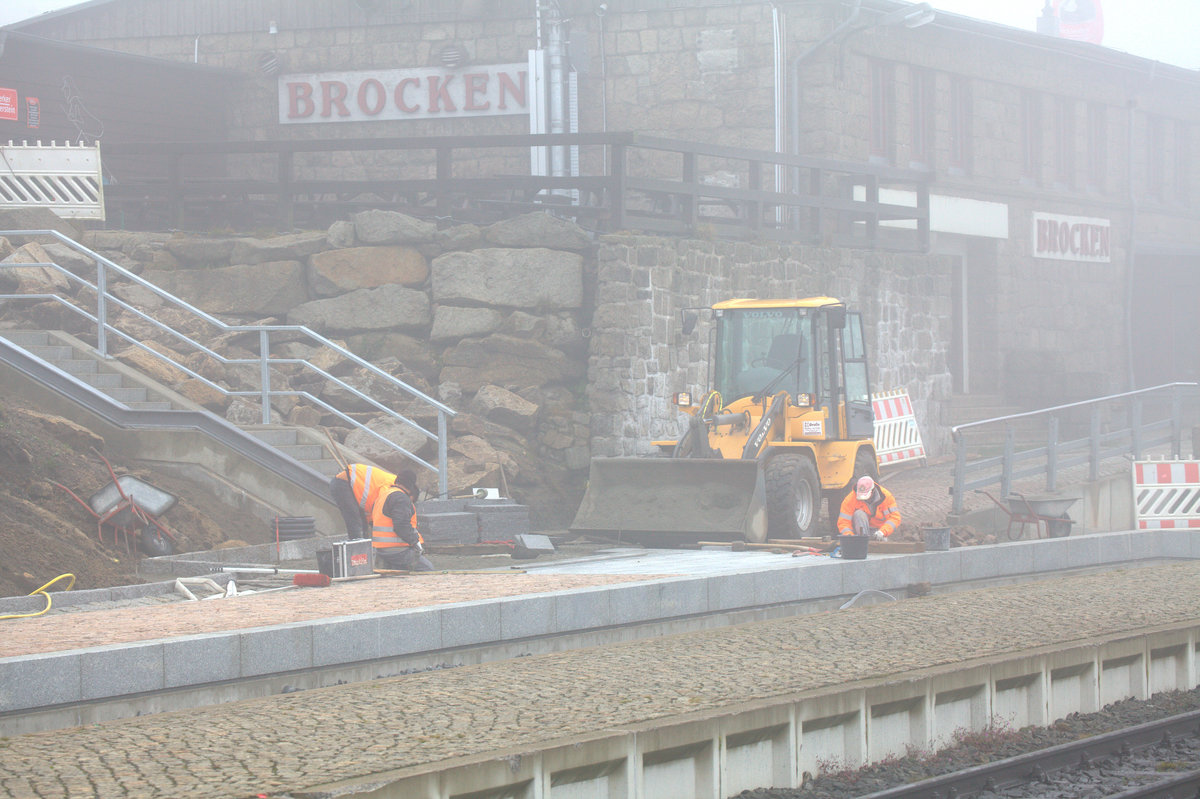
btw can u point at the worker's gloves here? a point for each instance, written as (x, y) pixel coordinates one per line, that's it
(418, 548)
(879, 536)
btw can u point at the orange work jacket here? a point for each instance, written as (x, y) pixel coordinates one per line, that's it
(366, 482)
(885, 517)
(383, 534)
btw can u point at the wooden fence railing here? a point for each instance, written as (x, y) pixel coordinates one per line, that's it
(627, 182)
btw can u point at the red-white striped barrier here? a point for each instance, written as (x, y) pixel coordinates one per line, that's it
(897, 437)
(1166, 494)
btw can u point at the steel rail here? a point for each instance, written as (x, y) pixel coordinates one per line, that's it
(1034, 765)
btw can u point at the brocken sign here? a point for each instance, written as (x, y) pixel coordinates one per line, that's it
(1072, 238)
(377, 95)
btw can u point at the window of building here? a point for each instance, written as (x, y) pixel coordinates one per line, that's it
(960, 124)
(924, 114)
(883, 111)
(1155, 156)
(1183, 162)
(1031, 137)
(1064, 160)
(1097, 147)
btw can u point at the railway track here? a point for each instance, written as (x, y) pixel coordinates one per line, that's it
(1159, 759)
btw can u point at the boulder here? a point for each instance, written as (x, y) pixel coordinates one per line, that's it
(75, 436)
(341, 234)
(203, 394)
(535, 278)
(273, 287)
(459, 237)
(376, 451)
(538, 229)
(71, 259)
(152, 366)
(382, 308)
(244, 412)
(377, 226)
(506, 361)
(410, 353)
(292, 247)
(33, 279)
(502, 406)
(200, 252)
(451, 323)
(335, 272)
(36, 219)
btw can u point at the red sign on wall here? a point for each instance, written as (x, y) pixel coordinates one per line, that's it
(8, 104)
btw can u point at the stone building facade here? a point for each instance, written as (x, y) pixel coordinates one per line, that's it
(1063, 186)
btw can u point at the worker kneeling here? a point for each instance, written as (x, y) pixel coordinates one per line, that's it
(870, 509)
(394, 536)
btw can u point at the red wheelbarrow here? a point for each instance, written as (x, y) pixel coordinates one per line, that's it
(129, 506)
(1048, 514)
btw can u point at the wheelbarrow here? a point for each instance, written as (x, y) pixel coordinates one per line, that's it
(129, 506)
(1047, 514)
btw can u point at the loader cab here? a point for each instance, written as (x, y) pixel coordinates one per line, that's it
(813, 349)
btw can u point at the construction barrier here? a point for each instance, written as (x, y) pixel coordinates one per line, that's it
(897, 437)
(65, 178)
(1166, 494)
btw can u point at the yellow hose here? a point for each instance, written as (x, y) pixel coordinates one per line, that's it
(42, 591)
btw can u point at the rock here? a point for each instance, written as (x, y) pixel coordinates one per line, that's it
(365, 309)
(292, 247)
(6, 248)
(538, 229)
(411, 353)
(75, 436)
(243, 412)
(304, 416)
(36, 219)
(536, 278)
(200, 252)
(396, 431)
(335, 272)
(451, 323)
(506, 361)
(71, 259)
(459, 237)
(151, 366)
(33, 279)
(502, 406)
(273, 287)
(341, 234)
(203, 394)
(377, 226)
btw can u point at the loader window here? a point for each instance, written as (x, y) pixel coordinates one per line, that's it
(756, 347)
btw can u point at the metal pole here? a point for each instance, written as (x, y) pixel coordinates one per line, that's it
(101, 309)
(960, 472)
(1052, 453)
(1094, 445)
(443, 490)
(264, 353)
(1007, 470)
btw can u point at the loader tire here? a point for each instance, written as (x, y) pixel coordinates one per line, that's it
(793, 496)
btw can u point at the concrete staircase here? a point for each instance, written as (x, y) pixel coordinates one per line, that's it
(136, 391)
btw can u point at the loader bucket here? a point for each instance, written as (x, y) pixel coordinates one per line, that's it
(671, 501)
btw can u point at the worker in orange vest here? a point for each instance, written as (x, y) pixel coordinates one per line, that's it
(870, 509)
(354, 491)
(394, 535)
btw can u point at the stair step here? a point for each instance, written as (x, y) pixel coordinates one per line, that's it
(276, 437)
(129, 394)
(150, 405)
(326, 466)
(27, 338)
(103, 380)
(50, 352)
(78, 366)
(303, 452)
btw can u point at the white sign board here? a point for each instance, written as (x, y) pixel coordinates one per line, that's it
(399, 94)
(1072, 238)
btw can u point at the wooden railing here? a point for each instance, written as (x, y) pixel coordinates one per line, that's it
(626, 182)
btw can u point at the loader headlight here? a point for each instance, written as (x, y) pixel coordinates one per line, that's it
(683, 399)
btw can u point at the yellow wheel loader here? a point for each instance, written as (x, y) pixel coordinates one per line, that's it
(786, 423)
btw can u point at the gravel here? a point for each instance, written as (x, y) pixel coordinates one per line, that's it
(972, 749)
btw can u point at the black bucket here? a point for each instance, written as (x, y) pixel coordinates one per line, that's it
(325, 562)
(293, 528)
(854, 547)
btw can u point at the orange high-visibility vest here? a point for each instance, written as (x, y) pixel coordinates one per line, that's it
(383, 534)
(366, 482)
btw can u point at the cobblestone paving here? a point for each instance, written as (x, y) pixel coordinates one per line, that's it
(288, 742)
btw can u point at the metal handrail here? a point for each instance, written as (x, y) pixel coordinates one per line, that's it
(1055, 455)
(265, 391)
